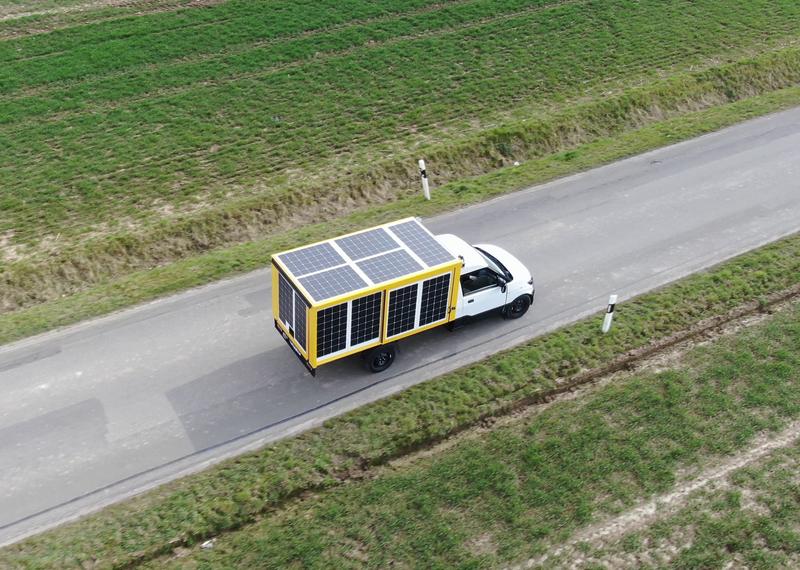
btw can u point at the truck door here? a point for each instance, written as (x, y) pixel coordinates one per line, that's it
(481, 291)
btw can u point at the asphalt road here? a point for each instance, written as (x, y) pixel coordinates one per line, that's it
(97, 412)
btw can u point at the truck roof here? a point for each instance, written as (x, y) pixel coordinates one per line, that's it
(360, 261)
(472, 260)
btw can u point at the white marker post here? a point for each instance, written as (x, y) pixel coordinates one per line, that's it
(422, 172)
(612, 301)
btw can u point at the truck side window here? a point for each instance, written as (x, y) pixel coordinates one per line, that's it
(477, 280)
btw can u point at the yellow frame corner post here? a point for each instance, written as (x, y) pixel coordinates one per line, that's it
(275, 287)
(451, 312)
(311, 328)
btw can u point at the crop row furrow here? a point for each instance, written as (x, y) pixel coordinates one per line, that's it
(240, 48)
(168, 81)
(141, 44)
(264, 123)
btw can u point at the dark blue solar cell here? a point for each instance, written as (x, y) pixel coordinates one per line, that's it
(333, 282)
(389, 266)
(367, 243)
(423, 244)
(310, 259)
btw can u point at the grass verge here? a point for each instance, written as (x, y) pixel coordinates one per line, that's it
(111, 294)
(238, 491)
(505, 494)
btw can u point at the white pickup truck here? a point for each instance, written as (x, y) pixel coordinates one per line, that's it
(363, 292)
(491, 278)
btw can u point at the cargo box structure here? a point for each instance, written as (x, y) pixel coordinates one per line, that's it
(358, 291)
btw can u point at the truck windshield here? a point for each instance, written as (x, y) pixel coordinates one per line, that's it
(495, 265)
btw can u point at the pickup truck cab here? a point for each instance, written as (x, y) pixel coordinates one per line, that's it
(491, 279)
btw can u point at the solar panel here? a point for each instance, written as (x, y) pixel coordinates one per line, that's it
(402, 310)
(292, 310)
(332, 329)
(423, 244)
(285, 296)
(435, 299)
(312, 258)
(300, 311)
(367, 243)
(366, 319)
(389, 266)
(333, 282)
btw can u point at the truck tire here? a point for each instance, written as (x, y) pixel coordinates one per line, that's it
(379, 358)
(518, 307)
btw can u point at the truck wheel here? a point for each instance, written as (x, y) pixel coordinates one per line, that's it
(518, 307)
(379, 358)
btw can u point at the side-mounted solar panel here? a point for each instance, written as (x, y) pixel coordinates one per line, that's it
(292, 310)
(423, 244)
(366, 319)
(365, 244)
(402, 310)
(332, 329)
(310, 259)
(435, 299)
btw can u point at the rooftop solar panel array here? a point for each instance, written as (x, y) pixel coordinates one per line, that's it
(389, 266)
(350, 263)
(423, 244)
(365, 244)
(312, 258)
(333, 282)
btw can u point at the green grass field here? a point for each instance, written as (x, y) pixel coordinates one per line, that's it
(187, 129)
(751, 519)
(506, 494)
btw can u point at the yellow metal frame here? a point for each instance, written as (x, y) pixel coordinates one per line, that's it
(454, 268)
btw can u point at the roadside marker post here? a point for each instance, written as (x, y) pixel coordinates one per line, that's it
(612, 301)
(424, 174)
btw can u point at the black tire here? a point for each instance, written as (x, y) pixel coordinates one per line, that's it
(518, 307)
(379, 358)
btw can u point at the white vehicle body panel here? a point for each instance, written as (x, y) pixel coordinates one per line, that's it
(492, 296)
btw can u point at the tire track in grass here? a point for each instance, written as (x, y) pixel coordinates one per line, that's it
(669, 504)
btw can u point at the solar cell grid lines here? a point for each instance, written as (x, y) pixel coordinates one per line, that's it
(423, 244)
(333, 282)
(300, 320)
(312, 258)
(332, 330)
(402, 310)
(285, 294)
(366, 317)
(367, 243)
(435, 299)
(389, 266)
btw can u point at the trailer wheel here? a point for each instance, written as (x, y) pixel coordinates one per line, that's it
(379, 358)
(518, 307)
